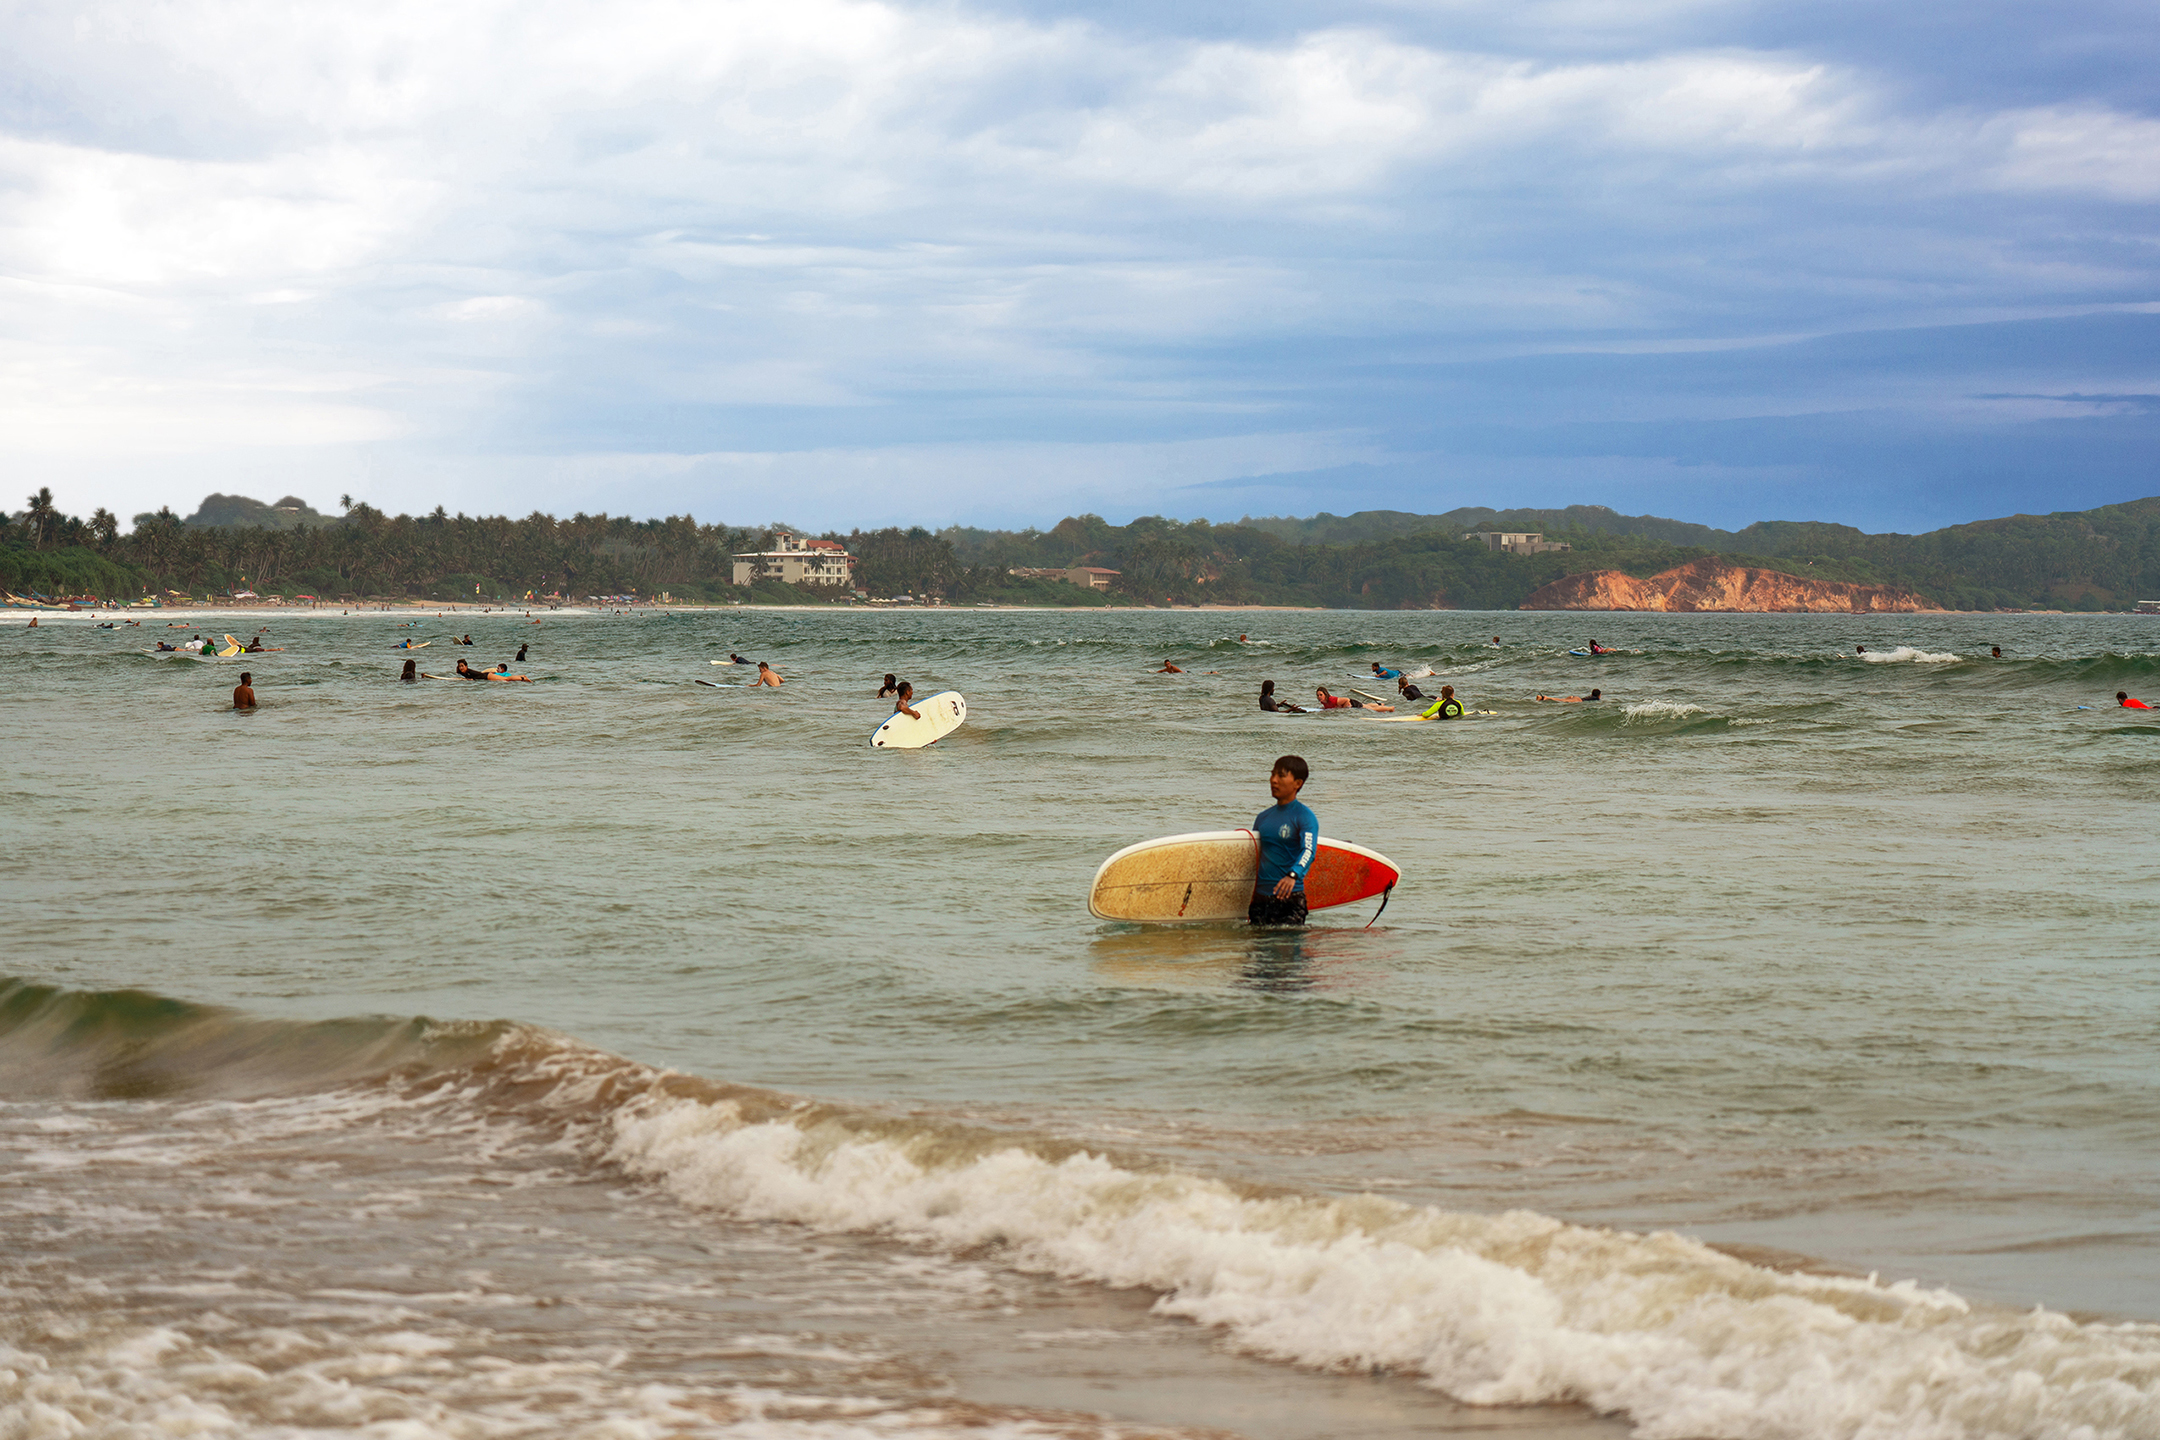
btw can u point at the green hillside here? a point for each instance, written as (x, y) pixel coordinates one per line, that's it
(2108, 558)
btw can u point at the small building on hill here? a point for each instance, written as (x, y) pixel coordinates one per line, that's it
(797, 562)
(1517, 542)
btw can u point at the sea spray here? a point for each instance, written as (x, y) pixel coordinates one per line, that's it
(1513, 1309)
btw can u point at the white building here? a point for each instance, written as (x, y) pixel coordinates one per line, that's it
(1516, 542)
(798, 562)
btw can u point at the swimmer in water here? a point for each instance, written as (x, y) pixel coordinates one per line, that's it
(1447, 707)
(466, 672)
(900, 705)
(1169, 669)
(521, 654)
(766, 675)
(1597, 649)
(2122, 698)
(1408, 691)
(1995, 651)
(243, 695)
(1270, 703)
(735, 659)
(890, 687)
(412, 672)
(1859, 649)
(502, 672)
(1381, 672)
(1574, 699)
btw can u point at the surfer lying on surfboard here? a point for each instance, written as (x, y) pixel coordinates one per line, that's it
(1330, 701)
(1573, 699)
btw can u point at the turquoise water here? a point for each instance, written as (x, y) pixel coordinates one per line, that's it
(1843, 964)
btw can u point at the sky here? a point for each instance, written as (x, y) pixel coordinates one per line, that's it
(841, 263)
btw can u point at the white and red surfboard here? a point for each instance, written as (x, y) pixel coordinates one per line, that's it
(1210, 875)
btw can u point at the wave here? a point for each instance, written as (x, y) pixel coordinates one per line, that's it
(1906, 654)
(1508, 1309)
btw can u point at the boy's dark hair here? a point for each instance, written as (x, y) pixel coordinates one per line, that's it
(1294, 766)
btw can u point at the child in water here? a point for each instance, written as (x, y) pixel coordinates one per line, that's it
(1289, 834)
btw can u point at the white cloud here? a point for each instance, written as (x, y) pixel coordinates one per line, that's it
(523, 221)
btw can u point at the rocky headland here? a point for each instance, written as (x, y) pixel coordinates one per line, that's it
(1714, 584)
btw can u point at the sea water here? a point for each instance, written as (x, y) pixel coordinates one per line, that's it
(1765, 1050)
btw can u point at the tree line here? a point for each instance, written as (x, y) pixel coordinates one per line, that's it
(2106, 558)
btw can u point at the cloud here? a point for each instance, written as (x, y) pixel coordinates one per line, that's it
(496, 240)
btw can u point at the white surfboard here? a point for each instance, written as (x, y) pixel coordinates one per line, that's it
(1179, 879)
(941, 714)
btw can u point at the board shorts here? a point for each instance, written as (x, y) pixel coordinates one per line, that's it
(1265, 909)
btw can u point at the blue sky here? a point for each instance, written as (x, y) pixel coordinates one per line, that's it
(858, 263)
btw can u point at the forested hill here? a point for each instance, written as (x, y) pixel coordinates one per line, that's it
(2107, 558)
(1326, 529)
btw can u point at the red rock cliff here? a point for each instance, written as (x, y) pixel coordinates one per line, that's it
(1714, 584)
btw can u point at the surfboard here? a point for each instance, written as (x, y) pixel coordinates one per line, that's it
(412, 645)
(1590, 654)
(232, 647)
(716, 685)
(1368, 695)
(1368, 676)
(941, 714)
(1209, 876)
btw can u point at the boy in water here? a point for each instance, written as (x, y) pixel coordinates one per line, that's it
(243, 695)
(1289, 834)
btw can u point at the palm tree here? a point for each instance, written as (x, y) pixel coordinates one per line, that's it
(105, 525)
(44, 516)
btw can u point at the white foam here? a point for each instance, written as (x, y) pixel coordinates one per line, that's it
(1506, 1309)
(1655, 710)
(1906, 653)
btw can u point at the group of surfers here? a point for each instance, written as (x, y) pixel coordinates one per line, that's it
(413, 673)
(197, 645)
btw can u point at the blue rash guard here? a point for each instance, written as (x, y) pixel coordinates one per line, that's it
(1288, 836)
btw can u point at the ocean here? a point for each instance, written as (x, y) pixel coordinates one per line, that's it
(1763, 1052)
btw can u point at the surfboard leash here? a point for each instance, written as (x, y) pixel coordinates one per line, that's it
(1385, 896)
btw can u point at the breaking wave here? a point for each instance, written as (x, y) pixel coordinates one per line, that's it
(1495, 1309)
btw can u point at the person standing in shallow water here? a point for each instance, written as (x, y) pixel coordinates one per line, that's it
(412, 672)
(1289, 836)
(243, 695)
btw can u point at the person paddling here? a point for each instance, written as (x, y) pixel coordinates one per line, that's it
(766, 675)
(2122, 698)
